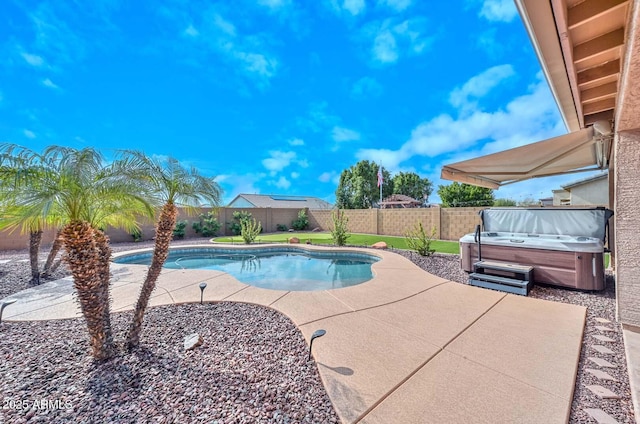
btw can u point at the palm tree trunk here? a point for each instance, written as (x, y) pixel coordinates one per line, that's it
(83, 255)
(55, 248)
(104, 257)
(164, 233)
(35, 237)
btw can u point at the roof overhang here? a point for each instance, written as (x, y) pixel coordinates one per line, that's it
(578, 151)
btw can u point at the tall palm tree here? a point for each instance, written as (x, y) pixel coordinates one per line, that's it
(170, 184)
(77, 191)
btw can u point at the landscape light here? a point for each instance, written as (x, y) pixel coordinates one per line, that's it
(5, 304)
(202, 287)
(315, 335)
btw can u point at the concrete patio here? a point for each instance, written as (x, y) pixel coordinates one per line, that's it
(406, 346)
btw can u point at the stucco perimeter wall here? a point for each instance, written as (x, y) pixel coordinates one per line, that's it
(627, 226)
(450, 223)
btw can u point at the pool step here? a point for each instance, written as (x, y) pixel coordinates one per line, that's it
(491, 275)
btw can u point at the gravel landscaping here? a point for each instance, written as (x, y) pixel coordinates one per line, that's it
(252, 366)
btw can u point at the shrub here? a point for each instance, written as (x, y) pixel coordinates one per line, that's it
(136, 234)
(249, 230)
(238, 218)
(178, 231)
(208, 225)
(339, 230)
(417, 239)
(281, 227)
(302, 222)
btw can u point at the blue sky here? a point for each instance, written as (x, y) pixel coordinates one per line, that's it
(277, 96)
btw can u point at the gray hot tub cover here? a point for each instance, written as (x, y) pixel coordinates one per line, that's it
(588, 222)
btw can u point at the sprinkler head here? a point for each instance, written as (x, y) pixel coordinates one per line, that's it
(202, 286)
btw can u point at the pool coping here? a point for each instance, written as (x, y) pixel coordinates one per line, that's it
(399, 347)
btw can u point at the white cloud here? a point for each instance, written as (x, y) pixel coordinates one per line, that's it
(33, 59)
(353, 7)
(274, 4)
(283, 183)
(50, 84)
(296, 142)
(295, 175)
(257, 63)
(331, 176)
(397, 5)
(340, 134)
(234, 184)
(393, 39)
(29, 134)
(498, 10)
(366, 87)
(278, 160)
(527, 118)
(191, 31)
(480, 85)
(224, 25)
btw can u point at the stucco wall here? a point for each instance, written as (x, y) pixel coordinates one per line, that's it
(592, 193)
(627, 226)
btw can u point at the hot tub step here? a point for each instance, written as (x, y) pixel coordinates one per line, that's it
(509, 285)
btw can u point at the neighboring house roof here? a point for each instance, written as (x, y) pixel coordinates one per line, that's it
(584, 181)
(278, 201)
(400, 200)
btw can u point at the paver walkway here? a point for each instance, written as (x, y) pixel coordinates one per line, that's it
(406, 346)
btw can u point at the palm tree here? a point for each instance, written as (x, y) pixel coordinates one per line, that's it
(75, 190)
(172, 185)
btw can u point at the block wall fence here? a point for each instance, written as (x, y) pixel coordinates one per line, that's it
(450, 223)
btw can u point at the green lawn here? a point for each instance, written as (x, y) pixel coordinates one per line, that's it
(440, 246)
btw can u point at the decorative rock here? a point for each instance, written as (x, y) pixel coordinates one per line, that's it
(602, 349)
(600, 374)
(603, 392)
(603, 328)
(600, 416)
(379, 245)
(603, 338)
(192, 341)
(603, 320)
(602, 362)
(294, 240)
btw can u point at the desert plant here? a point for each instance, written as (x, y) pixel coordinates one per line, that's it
(339, 230)
(250, 230)
(136, 234)
(208, 225)
(302, 222)
(282, 227)
(238, 217)
(417, 239)
(179, 229)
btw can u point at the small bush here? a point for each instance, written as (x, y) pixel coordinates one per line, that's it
(136, 234)
(302, 222)
(249, 230)
(238, 218)
(208, 225)
(339, 230)
(281, 227)
(178, 231)
(417, 239)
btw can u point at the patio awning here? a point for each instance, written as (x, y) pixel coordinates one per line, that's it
(578, 151)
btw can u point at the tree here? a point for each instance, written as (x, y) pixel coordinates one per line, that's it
(75, 190)
(504, 202)
(460, 195)
(170, 184)
(358, 187)
(410, 184)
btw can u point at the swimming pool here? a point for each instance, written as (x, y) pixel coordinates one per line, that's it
(278, 268)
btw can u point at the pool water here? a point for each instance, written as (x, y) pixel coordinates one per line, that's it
(274, 269)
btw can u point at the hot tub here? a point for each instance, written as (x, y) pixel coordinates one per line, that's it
(565, 247)
(569, 261)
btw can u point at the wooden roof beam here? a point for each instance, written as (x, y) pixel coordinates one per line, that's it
(598, 45)
(599, 106)
(598, 93)
(599, 72)
(590, 9)
(600, 116)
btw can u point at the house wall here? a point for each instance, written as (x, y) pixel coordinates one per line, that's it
(627, 226)
(559, 196)
(591, 193)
